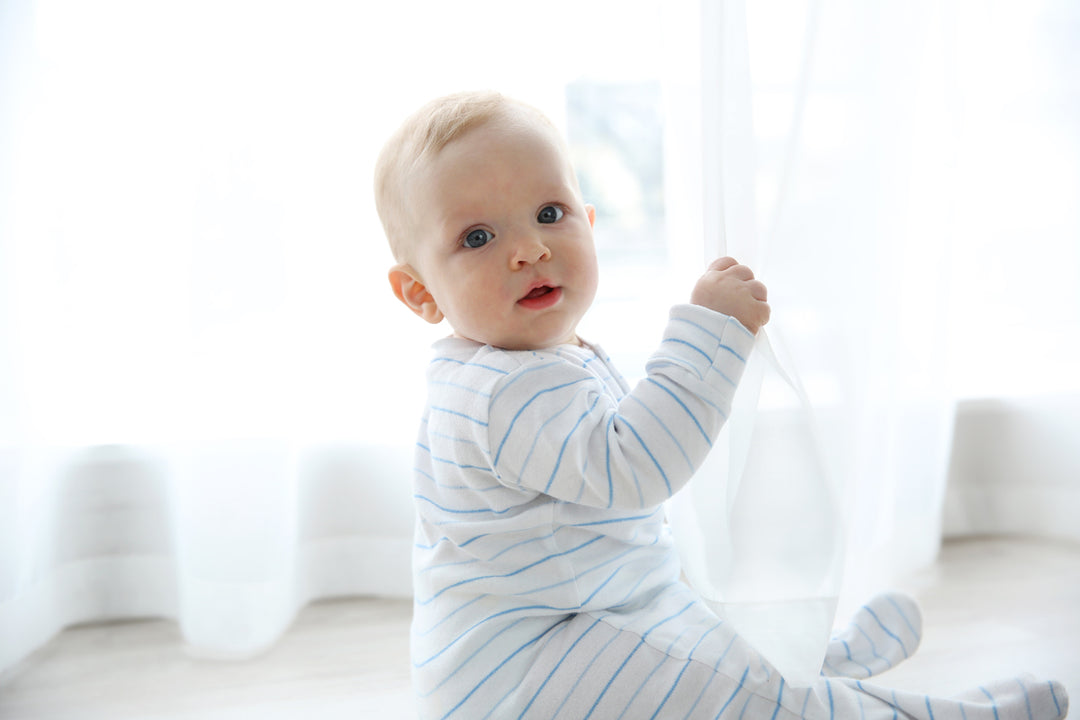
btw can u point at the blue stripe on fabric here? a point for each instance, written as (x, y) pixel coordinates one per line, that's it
(713, 335)
(674, 362)
(648, 452)
(719, 410)
(701, 694)
(733, 694)
(527, 541)
(471, 655)
(513, 687)
(745, 706)
(690, 345)
(806, 699)
(630, 702)
(470, 488)
(612, 679)
(448, 411)
(666, 429)
(993, 703)
(478, 623)
(582, 486)
(421, 471)
(659, 566)
(607, 458)
(888, 632)
(594, 568)
(1053, 695)
(469, 364)
(637, 485)
(473, 511)
(779, 697)
(583, 673)
(682, 671)
(671, 689)
(601, 586)
(683, 405)
(496, 669)
(873, 647)
(452, 613)
(668, 618)
(847, 648)
(903, 617)
(566, 441)
(723, 376)
(520, 570)
(453, 563)
(447, 461)
(699, 326)
(631, 518)
(456, 439)
(517, 415)
(663, 660)
(441, 539)
(459, 386)
(557, 666)
(1027, 699)
(539, 434)
(521, 374)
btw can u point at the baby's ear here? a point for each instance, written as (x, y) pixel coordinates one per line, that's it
(410, 289)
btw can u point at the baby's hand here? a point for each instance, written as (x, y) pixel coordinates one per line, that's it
(730, 288)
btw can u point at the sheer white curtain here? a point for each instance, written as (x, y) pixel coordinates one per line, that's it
(882, 164)
(815, 166)
(208, 397)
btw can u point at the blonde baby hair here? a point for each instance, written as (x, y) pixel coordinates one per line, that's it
(422, 136)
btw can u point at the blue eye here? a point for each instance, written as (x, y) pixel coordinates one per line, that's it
(477, 238)
(550, 214)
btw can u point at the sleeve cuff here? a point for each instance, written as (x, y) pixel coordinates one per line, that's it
(712, 344)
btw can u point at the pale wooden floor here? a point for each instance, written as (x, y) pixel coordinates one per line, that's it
(992, 608)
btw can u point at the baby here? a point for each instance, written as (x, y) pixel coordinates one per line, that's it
(546, 583)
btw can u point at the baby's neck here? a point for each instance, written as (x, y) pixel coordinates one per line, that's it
(577, 341)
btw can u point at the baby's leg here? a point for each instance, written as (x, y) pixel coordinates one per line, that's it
(671, 658)
(1022, 698)
(883, 633)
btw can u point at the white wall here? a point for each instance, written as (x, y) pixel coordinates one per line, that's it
(1015, 468)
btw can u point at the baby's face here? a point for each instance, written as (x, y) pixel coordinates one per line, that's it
(503, 240)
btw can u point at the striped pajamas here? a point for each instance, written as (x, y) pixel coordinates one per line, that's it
(545, 579)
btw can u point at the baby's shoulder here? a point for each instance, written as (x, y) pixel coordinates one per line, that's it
(463, 361)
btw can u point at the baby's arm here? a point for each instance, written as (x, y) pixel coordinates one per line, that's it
(554, 428)
(730, 288)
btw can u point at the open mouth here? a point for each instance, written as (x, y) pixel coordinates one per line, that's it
(541, 297)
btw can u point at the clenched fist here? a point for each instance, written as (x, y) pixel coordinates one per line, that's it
(730, 288)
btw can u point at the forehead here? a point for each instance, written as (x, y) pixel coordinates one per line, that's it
(499, 155)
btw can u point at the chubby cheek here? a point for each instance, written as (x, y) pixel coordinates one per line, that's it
(588, 276)
(473, 305)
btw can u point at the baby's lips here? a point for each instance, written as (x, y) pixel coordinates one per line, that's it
(538, 289)
(537, 292)
(541, 297)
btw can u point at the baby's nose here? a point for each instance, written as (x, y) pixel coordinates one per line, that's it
(529, 250)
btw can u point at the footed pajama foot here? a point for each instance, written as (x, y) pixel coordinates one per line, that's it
(883, 633)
